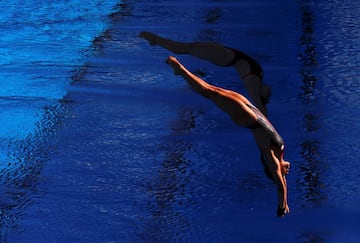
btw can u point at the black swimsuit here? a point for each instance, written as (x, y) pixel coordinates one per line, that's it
(255, 67)
(263, 122)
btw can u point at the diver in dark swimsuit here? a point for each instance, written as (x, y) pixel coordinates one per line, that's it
(244, 114)
(248, 68)
(263, 123)
(237, 106)
(276, 142)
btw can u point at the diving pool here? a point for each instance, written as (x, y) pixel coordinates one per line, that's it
(102, 143)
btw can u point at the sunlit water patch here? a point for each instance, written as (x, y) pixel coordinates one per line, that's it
(44, 42)
(41, 45)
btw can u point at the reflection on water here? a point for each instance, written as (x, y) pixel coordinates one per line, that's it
(309, 181)
(307, 55)
(310, 178)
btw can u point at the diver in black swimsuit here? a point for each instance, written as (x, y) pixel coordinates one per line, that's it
(245, 114)
(241, 110)
(263, 123)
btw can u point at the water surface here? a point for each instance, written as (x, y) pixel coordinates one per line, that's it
(139, 157)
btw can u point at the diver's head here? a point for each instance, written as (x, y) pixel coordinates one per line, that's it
(285, 165)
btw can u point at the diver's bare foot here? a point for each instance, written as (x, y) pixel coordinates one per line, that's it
(175, 64)
(149, 37)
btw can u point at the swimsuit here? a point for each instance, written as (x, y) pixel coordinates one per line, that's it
(262, 122)
(255, 67)
(275, 139)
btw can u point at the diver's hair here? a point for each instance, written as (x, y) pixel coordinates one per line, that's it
(266, 168)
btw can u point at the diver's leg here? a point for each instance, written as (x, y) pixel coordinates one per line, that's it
(215, 53)
(220, 56)
(234, 104)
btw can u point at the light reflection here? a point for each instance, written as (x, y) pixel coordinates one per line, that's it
(37, 77)
(20, 178)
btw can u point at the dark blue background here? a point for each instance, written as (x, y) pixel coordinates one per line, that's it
(132, 154)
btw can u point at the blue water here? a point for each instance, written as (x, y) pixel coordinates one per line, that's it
(42, 43)
(102, 143)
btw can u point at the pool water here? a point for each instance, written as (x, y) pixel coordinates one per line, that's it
(102, 143)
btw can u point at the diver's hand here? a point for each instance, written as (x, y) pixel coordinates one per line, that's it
(281, 211)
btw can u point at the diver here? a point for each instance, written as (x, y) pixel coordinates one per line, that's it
(239, 108)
